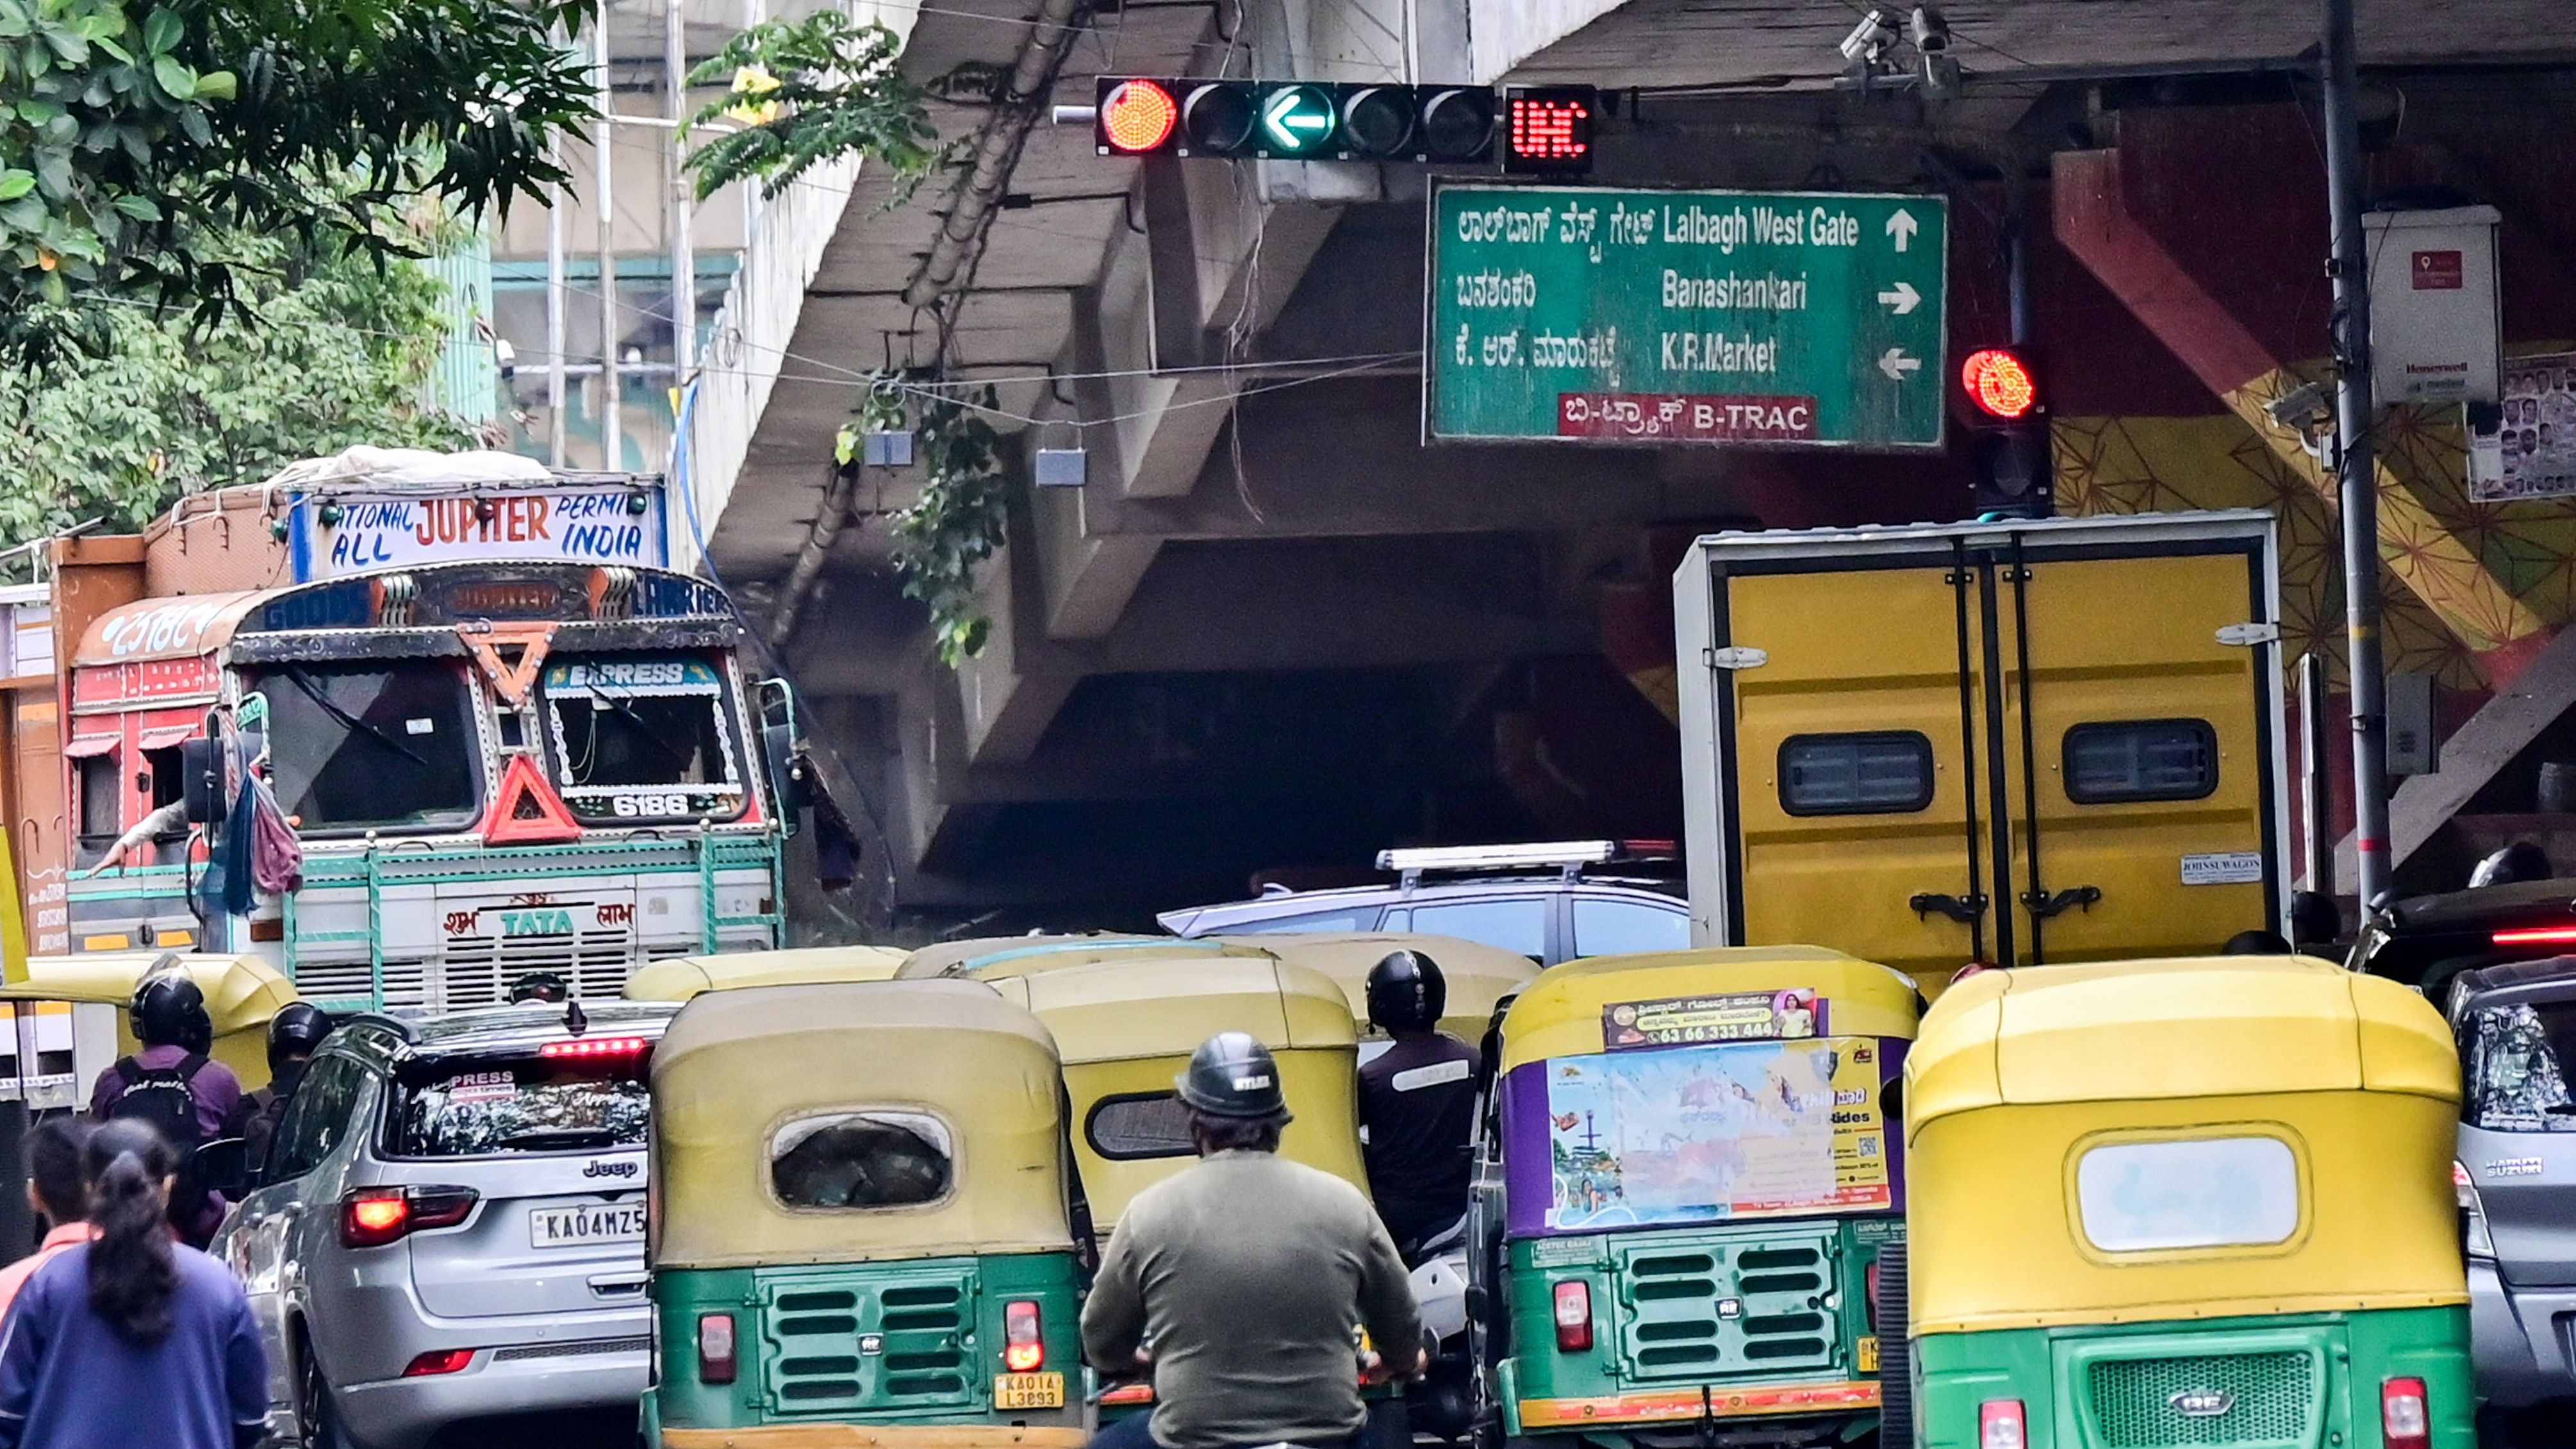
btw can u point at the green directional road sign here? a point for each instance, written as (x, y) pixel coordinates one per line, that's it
(1603, 315)
(1297, 119)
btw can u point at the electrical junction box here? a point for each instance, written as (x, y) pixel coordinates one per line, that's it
(2434, 309)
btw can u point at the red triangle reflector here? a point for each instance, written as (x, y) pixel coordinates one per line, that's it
(526, 810)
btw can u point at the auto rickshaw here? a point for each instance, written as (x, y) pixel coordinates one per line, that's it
(861, 1223)
(2180, 1202)
(993, 956)
(1479, 976)
(1683, 1185)
(242, 993)
(683, 977)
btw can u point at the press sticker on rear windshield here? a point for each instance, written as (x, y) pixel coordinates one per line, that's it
(1688, 1020)
(483, 1087)
(2223, 867)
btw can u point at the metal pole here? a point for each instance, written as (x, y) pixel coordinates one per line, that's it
(753, 13)
(612, 428)
(2316, 817)
(557, 199)
(684, 262)
(2358, 485)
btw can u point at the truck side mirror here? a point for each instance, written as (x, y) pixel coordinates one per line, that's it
(790, 774)
(201, 773)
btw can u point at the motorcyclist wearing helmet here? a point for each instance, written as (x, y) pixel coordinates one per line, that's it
(188, 1096)
(1417, 1102)
(294, 1034)
(1246, 1273)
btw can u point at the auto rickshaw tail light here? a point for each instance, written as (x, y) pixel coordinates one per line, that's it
(715, 1348)
(1023, 1337)
(1573, 1317)
(2000, 1425)
(2405, 1418)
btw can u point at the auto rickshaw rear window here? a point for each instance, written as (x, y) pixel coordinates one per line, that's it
(2517, 1067)
(2119, 761)
(1874, 772)
(855, 1161)
(483, 1106)
(2196, 1192)
(1139, 1125)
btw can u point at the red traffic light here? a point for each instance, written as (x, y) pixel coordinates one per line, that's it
(1137, 116)
(1548, 129)
(2000, 384)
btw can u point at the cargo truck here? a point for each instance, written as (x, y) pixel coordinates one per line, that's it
(2007, 743)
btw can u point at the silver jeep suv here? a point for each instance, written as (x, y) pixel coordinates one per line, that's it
(450, 1224)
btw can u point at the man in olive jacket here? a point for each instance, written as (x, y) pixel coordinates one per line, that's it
(1242, 1278)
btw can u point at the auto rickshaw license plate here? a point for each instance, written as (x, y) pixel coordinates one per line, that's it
(1868, 1354)
(1028, 1391)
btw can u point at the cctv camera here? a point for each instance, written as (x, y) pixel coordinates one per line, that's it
(1927, 30)
(2302, 410)
(1868, 39)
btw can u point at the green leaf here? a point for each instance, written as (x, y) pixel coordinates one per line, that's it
(218, 85)
(161, 31)
(141, 208)
(14, 184)
(175, 78)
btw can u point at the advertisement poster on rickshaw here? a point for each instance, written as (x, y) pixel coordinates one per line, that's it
(1685, 1020)
(1716, 1132)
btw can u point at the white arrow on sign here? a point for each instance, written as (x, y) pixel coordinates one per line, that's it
(1902, 226)
(1896, 364)
(1902, 297)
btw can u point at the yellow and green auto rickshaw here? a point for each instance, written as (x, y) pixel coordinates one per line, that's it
(242, 993)
(1479, 976)
(683, 977)
(1684, 1185)
(2180, 1202)
(861, 1226)
(993, 956)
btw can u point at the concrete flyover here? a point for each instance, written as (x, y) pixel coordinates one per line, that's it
(1273, 627)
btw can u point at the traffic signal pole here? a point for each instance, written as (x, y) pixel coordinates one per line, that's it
(2357, 480)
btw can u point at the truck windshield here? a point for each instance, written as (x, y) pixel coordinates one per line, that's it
(2517, 1067)
(641, 737)
(373, 745)
(1710, 1132)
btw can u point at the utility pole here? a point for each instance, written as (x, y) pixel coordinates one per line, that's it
(2357, 479)
(612, 440)
(684, 261)
(558, 200)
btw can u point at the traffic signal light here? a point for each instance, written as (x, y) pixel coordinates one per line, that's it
(1294, 120)
(2014, 476)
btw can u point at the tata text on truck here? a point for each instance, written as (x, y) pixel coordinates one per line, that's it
(504, 736)
(2015, 742)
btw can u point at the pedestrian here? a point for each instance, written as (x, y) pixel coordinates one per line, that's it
(172, 1086)
(1417, 1103)
(1247, 1273)
(294, 1034)
(55, 1191)
(131, 1339)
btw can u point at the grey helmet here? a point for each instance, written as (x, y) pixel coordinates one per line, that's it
(1233, 1075)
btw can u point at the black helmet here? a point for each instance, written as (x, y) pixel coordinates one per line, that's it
(296, 1031)
(1406, 992)
(169, 1010)
(1232, 1075)
(540, 986)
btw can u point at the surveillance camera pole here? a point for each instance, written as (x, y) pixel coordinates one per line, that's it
(2357, 480)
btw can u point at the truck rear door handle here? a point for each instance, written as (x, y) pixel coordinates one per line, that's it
(612, 1284)
(2048, 907)
(1963, 909)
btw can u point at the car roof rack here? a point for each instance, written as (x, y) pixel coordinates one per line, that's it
(1568, 856)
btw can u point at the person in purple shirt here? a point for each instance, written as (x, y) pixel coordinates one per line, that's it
(131, 1339)
(169, 1018)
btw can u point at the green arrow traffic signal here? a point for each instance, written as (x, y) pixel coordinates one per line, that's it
(1297, 119)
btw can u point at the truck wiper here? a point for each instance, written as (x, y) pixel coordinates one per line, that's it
(331, 707)
(670, 752)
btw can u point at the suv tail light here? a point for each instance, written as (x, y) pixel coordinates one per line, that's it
(371, 1217)
(1023, 1338)
(1573, 1317)
(2476, 1240)
(439, 1361)
(592, 1047)
(2000, 1425)
(2405, 1418)
(715, 1348)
